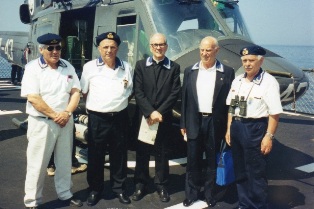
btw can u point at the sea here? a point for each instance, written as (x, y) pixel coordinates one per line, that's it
(301, 56)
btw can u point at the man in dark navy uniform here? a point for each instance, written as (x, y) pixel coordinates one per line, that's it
(204, 116)
(16, 74)
(254, 110)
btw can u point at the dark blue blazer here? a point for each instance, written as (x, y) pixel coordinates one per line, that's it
(190, 118)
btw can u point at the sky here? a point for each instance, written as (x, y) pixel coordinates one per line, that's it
(269, 22)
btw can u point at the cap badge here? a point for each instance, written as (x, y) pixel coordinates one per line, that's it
(54, 41)
(110, 36)
(245, 51)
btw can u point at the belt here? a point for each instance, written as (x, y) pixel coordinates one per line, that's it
(246, 120)
(110, 114)
(205, 114)
(47, 118)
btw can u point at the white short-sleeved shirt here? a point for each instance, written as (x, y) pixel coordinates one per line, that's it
(262, 95)
(53, 85)
(107, 89)
(205, 87)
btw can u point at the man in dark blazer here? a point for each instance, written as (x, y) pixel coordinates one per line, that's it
(204, 115)
(156, 88)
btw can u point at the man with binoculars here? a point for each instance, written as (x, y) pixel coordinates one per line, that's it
(254, 108)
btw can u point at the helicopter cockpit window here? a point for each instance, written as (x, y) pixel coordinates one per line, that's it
(186, 24)
(229, 11)
(42, 29)
(126, 26)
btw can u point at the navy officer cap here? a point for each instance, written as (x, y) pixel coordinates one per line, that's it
(108, 35)
(252, 50)
(49, 38)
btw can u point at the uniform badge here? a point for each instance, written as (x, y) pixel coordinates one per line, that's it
(69, 78)
(54, 41)
(125, 83)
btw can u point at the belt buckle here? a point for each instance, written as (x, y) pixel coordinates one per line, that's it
(44, 117)
(237, 118)
(111, 114)
(204, 114)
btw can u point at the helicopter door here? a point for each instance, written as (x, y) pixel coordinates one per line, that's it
(126, 29)
(47, 24)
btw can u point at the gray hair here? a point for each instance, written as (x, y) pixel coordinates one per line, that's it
(159, 34)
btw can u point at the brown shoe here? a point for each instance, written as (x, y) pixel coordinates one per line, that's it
(81, 168)
(51, 170)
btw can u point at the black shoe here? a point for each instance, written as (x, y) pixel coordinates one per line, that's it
(93, 198)
(187, 202)
(73, 202)
(211, 202)
(138, 194)
(123, 198)
(164, 195)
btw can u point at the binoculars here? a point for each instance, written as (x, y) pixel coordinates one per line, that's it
(238, 103)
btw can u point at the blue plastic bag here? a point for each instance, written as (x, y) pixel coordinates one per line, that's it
(225, 170)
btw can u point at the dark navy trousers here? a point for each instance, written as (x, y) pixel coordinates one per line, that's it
(205, 142)
(107, 132)
(249, 162)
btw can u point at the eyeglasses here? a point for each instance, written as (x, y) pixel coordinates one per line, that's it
(51, 48)
(160, 45)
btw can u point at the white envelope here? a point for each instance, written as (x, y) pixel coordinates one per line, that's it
(147, 133)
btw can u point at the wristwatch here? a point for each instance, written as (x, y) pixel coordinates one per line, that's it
(69, 113)
(271, 136)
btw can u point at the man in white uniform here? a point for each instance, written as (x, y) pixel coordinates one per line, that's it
(52, 90)
(254, 110)
(107, 84)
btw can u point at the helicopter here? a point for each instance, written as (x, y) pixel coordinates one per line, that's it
(184, 22)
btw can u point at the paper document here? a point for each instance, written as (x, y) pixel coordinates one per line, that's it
(185, 137)
(147, 133)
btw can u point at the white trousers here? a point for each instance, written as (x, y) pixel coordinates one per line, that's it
(44, 137)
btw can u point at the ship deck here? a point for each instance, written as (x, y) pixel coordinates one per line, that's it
(290, 167)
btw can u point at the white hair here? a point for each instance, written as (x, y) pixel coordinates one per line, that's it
(40, 46)
(259, 57)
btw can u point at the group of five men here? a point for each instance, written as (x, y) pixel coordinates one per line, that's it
(209, 92)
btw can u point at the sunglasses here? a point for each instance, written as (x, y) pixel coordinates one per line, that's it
(51, 48)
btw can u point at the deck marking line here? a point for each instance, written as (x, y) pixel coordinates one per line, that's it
(9, 86)
(3, 112)
(131, 164)
(309, 168)
(196, 205)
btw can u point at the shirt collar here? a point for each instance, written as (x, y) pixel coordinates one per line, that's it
(219, 66)
(118, 63)
(258, 77)
(166, 62)
(42, 63)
